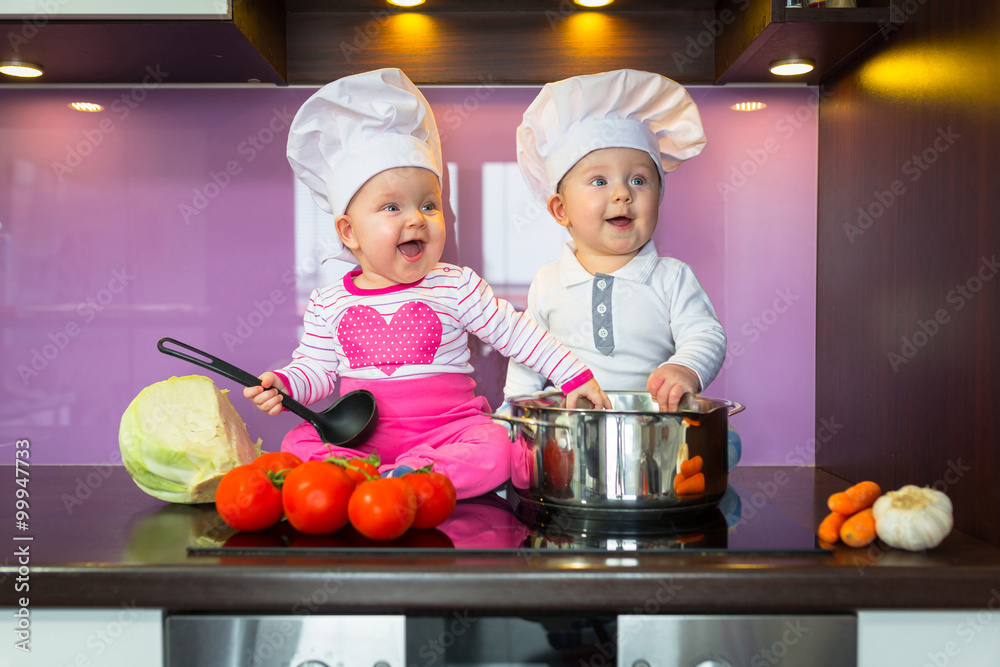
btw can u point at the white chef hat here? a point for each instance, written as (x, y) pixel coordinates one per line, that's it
(355, 128)
(621, 109)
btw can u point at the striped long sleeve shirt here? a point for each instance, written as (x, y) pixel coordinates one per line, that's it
(416, 330)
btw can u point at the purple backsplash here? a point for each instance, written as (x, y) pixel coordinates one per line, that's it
(172, 216)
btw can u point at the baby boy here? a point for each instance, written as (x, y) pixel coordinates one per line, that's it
(595, 150)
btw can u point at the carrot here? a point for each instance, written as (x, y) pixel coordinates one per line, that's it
(860, 496)
(691, 467)
(829, 529)
(691, 485)
(859, 530)
(678, 478)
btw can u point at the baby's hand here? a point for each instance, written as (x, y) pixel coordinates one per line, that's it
(669, 383)
(592, 391)
(266, 395)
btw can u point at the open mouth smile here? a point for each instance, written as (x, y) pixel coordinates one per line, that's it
(620, 221)
(412, 250)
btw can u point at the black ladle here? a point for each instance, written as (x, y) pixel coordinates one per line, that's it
(347, 423)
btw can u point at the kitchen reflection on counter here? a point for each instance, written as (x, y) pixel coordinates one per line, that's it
(488, 523)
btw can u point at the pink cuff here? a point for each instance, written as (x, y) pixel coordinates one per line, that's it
(573, 383)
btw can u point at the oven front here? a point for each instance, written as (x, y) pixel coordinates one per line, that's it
(464, 639)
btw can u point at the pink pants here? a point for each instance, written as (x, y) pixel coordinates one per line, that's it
(436, 420)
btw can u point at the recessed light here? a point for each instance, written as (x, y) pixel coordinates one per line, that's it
(748, 106)
(406, 3)
(593, 3)
(20, 69)
(86, 106)
(792, 66)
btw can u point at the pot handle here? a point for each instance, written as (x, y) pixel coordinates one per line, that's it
(737, 408)
(525, 420)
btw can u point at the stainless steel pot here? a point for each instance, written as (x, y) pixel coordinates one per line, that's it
(600, 462)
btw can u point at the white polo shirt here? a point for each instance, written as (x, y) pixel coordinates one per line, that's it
(624, 325)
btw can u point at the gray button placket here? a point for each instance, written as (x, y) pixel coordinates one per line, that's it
(604, 332)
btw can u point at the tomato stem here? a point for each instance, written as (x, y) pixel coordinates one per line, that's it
(344, 463)
(277, 477)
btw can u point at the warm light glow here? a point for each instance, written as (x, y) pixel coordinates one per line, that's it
(748, 106)
(791, 67)
(948, 73)
(418, 30)
(406, 3)
(24, 70)
(586, 30)
(593, 3)
(86, 106)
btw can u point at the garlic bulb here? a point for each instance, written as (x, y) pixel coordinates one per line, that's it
(913, 518)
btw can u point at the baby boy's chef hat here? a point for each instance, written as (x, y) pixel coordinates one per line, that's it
(356, 127)
(621, 109)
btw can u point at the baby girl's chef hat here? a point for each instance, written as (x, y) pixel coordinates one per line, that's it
(621, 109)
(355, 128)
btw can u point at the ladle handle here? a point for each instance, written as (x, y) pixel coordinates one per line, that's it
(226, 369)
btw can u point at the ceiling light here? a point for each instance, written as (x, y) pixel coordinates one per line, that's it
(593, 3)
(791, 66)
(25, 70)
(748, 106)
(406, 3)
(86, 106)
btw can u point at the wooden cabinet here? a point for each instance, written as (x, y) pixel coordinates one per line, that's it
(450, 42)
(175, 47)
(754, 33)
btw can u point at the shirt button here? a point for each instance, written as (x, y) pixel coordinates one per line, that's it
(601, 308)
(602, 283)
(602, 332)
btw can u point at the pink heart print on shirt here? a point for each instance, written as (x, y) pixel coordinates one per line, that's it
(412, 336)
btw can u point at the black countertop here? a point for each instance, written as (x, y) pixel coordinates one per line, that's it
(98, 541)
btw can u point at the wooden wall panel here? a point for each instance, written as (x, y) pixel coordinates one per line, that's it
(908, 329)
(500, 47)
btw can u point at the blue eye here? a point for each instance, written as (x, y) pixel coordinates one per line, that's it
(391, 207)
(428, 207)
(599, 181)
(638, 180)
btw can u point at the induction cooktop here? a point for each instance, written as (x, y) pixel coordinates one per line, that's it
(494, 523)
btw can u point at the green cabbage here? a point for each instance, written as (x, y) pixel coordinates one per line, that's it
(180, 436)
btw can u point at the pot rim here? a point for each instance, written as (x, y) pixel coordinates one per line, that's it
(525, 401)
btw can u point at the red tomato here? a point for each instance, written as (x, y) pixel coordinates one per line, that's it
(276, 461)
(558, 465)
(367, 470)
(315, 496)
(435, 497)
(383, 509)
(247, 499)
